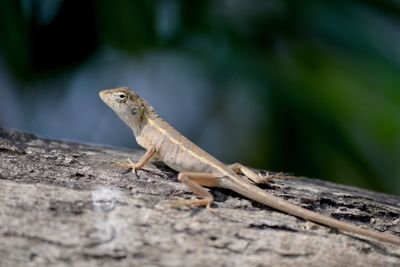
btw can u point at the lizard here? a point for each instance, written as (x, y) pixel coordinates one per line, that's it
(199, 170)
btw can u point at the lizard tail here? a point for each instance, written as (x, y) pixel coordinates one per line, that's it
(259, 195)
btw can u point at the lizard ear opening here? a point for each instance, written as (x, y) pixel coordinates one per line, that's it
(134, 110)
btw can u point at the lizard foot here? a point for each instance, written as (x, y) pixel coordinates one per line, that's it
(268, 177)
(129, 165)
(193, 203)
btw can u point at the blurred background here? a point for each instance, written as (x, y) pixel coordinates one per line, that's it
(306, 87)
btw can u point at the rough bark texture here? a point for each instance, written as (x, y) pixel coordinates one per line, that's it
(65, 204)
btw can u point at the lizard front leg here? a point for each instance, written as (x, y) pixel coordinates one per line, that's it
(195, 181)
(139, 165)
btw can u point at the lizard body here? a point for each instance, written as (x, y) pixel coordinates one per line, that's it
(197, 168)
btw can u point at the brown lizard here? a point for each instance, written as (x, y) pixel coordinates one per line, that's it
(198, 169)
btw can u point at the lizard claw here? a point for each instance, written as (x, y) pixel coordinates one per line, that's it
(193, 203)
(132, 167)
(270, 177)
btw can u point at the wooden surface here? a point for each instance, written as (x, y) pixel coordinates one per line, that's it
(65, 204)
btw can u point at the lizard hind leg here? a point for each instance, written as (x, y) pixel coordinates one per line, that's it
(254, 177)
(195, 181)
(249, 174)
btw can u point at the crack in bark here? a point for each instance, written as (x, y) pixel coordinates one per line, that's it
(38, 239)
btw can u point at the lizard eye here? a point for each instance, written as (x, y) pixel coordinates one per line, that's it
(121, 97)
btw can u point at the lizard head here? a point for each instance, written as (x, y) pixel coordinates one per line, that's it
(127, 105)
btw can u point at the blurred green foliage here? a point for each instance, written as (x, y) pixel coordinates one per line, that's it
(327, 72)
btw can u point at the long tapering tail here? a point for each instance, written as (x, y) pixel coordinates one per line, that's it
(259, 195)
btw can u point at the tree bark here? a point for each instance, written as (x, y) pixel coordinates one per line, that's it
(65, 203)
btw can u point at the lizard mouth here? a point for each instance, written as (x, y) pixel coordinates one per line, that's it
(103, 95)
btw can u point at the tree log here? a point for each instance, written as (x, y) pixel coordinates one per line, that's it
(65, 203)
